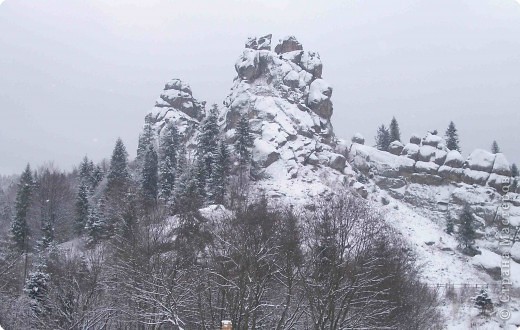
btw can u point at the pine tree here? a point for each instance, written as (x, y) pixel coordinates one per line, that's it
(187, 193)
(19, 227)
(452, 137)
(97, 176)
(495, 148)
(149, 175)
(47, 227)
(383, 138)
(96, 226)
(86, 171)
(219, 175)
(37, 286)
(207, 145)
(145, 138)
(81, 209)
(244, 141)
(483, 302)
(467, 234)
(168, 161)
(395, 133)
(514, 170)
(118, 173)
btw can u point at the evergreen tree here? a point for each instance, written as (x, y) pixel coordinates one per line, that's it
(452, 137)
(47, 227)
(219, 175)
(97, 176)
(86, 171)
(96, 226)
(149, 174)
(145, 138)
(244, 141)
(467, 233)
(118, 173)
(395, 133)
(188, 198)
(207, 145)
(514, 170)
(494, 148)
(383, 138)
(168, 162)
(483, 302)
(19, 227)
(37, 286)
(81, 208)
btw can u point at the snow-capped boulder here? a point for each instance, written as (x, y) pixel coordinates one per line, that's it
(454, 159)
(247, 65)
(501, 165)
(499, 182)
(337, 162)
(411, 150)
(470, 176)
(426, 153)
(311, 62)
(451, 174)
(440, 157)
(319, 98)
(426, 167)
(395, 147)
(481, 160)
(358, 138)
(288, 44)
(433, 140)
(260, 43)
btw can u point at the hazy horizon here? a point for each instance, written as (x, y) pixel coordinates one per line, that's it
(77, 75)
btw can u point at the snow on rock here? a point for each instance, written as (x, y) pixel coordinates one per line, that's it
(433, 140)
(481, 160)
(247, 64)
(454, 159)
(358, 138)
(319, 98)
(411, 150)
(426, 153)
(501, 165)
(260, 43)
(396, 147)
(311, 63)
(288, 44)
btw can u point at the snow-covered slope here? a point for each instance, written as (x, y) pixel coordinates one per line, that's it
(418, 185)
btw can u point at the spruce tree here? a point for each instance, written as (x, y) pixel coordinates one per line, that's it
(168, 162)
(97, 176)
(467, 233)
(19, 227)
(514, 170)
(37, 286)
(47, 228)
(395, 133)
(219, 175)
(495, 148)
(244, 141)
(145, 138)
(188, 198)
(96, 226)
(86, 171)
(118, 174)
(149, 175)
(383, 138)
(81, 208)
(207, 145)
(452, 137)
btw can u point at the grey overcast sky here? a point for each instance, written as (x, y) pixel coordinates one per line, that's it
(75, 75)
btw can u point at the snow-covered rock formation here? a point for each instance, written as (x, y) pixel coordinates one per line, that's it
(421, 183)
